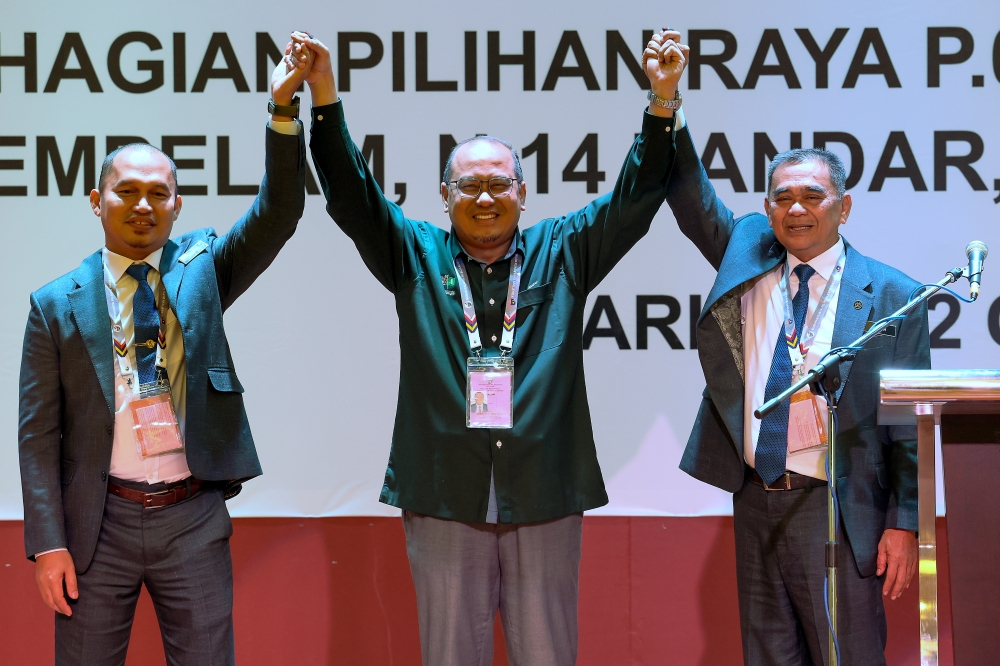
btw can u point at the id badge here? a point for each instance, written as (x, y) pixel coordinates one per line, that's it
(155, 423)
(806, 426)
(489, 392)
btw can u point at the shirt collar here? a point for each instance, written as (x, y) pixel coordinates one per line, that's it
(822, 264)
(117, 264)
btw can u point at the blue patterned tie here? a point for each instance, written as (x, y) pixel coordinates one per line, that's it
(146, 322)
(772, 442)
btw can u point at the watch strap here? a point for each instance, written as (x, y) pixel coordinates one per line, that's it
(281, 110)
(674, 103)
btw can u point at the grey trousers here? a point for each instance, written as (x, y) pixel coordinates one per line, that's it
(464, 572)
(780, 567)
(181, 553)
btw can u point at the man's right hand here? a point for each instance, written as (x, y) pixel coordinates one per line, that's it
(664, 61)
(51, 569)
(322, 87)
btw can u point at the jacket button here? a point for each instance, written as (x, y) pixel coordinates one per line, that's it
(104, 476)
(110, 429)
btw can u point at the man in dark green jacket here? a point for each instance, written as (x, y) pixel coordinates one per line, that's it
(493, 514)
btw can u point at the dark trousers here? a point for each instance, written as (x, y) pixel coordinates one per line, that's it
(181, 553)
(780, 567)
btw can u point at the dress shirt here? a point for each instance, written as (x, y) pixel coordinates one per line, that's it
(492, 515)
(125, 460)
(762, 311)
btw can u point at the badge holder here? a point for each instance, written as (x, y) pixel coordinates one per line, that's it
(154, 421)
(806, 429)
(489, 392)
(489, 380)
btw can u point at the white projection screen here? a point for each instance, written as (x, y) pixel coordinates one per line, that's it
(910, 88)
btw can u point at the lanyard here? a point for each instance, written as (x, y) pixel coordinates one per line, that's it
(510, 312)
(798, 348)
(126, 355)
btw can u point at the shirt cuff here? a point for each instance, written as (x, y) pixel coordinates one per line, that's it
(681, 121)
(46, 552)
(284, 126)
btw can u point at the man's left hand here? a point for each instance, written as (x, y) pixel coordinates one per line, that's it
(897, 559)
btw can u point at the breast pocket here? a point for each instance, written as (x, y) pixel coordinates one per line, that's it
(224, 380)
(539, 325)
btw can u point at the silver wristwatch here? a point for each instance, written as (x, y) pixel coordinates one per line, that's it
(674, 103)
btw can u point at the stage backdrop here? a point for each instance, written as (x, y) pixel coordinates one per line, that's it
(907, 93)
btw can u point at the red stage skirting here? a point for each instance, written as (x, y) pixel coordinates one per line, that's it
(338, 591)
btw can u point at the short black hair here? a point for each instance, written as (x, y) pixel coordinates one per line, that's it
(838, 175)
(518, 175)
(108, 165)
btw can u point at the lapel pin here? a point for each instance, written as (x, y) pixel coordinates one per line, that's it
(858, 305)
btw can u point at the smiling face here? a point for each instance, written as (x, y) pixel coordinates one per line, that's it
(485, 224)
(804, 210)
(138, 203)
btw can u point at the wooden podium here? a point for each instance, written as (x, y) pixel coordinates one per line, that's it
(966, 404)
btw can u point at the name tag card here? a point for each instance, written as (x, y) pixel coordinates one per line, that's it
(155, 422)
(806, 426)
(489, 392)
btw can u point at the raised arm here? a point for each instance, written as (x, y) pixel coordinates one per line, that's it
(353, 198)
(597, 236)
(250, 246)
(700, 214)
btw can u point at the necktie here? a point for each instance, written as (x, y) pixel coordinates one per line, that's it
(146, 322)
(772, 441)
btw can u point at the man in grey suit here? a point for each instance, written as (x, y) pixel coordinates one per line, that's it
(112, 501)
(746, 357)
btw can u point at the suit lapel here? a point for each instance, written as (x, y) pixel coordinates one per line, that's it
(720, 327)
(90, 312)
(171, 271)
(854, 307)
(746, 264)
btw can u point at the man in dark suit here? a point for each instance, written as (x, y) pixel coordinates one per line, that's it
(747, 359)
(101, 518)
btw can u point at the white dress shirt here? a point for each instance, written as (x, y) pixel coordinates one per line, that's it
(125, 460)
(762, 316)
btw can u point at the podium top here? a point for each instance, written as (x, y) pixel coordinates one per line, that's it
(906, 393)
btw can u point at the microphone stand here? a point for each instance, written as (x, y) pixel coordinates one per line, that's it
(824, 379)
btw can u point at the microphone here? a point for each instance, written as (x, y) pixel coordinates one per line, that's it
(976, 251)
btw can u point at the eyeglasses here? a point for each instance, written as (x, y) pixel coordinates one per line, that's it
(473, 187)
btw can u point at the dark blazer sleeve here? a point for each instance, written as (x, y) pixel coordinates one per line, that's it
(250, 246)
(700, 214)
(39, 436)
(596, 237)
(899, 443)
